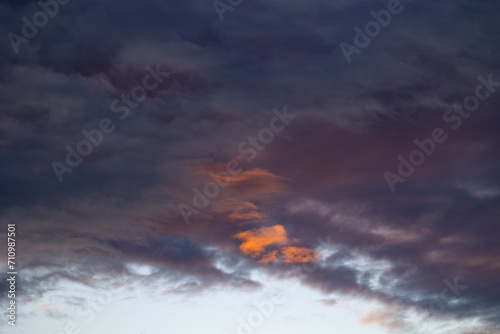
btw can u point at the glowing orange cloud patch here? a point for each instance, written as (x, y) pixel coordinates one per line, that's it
(255, 241)
(269, 257)
(238, 191)
(298, 254)
(256, 179)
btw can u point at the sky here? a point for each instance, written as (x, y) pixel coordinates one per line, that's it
(250, 167)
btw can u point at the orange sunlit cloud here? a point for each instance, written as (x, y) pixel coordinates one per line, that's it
(298, 254)
(257, 180)
(256, 175)
(269, 257)
(255, 241)
(242, 210)
(239, 192)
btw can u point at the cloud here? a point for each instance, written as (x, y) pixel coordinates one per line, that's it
(387, 318)
(297, 254)
(321, 177)
(269, 257)
(254, 242)
(328, 301)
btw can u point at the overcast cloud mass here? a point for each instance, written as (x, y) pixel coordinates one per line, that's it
(200, 155)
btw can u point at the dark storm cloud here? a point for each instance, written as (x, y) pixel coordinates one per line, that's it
(120, 205)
